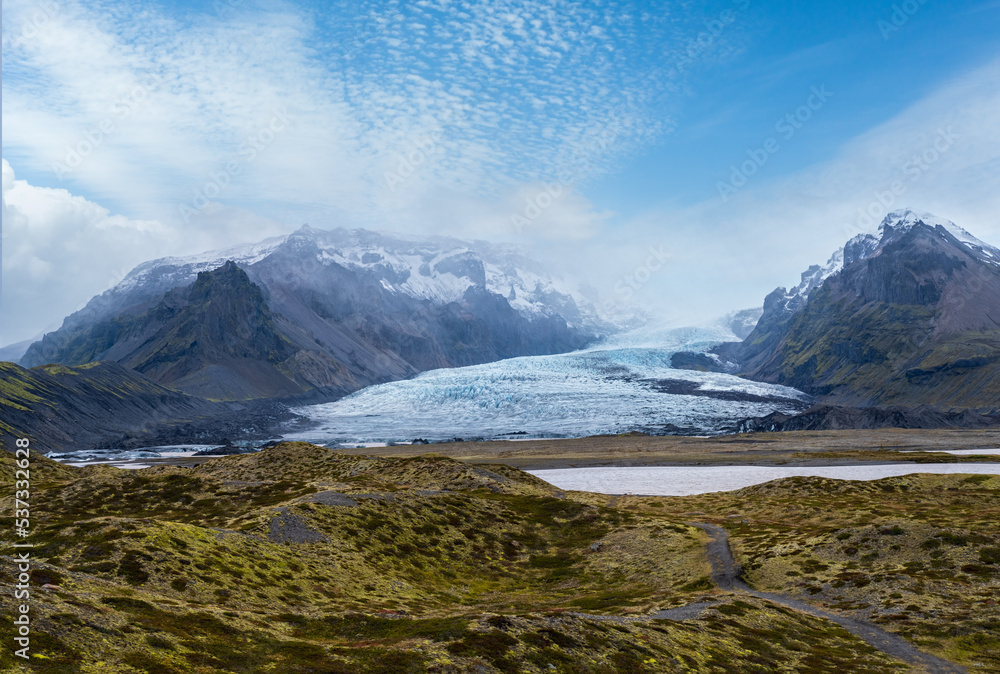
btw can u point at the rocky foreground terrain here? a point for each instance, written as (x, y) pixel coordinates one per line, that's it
(300, 559)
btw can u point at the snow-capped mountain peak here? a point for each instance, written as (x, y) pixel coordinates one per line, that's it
(901, 221)
(432, 268)
(893, 225)
(342, 308)
(442, 269)
(863, 246)
(904, 219)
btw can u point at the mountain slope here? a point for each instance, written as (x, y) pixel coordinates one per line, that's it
(60, 407)
(437, 269)
(914, 320)
(215, 338)
(324, 313)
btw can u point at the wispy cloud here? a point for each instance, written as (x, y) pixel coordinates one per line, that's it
(148, 112)
(515, 87)
(479, 107)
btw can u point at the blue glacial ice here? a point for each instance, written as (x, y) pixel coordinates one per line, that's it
(623, 384)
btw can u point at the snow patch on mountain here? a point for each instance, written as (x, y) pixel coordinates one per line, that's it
(901, 221)
(442, 269)
(177, 271)
(813, 277)
(436, 269)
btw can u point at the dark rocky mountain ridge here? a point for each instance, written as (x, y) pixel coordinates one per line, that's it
(912, 318)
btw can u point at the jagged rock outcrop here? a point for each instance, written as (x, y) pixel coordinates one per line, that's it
(832, 418)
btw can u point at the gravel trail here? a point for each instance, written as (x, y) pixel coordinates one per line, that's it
(726, 574)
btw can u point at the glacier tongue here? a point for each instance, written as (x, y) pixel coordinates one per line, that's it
(613, 388)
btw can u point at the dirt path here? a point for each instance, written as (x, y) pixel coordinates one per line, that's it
(727, 576)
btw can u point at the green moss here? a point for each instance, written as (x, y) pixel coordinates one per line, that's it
(409, 581)
(356, 626)
(700, 585)
(990, 555)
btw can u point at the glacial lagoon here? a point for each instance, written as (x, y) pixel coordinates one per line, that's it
(689, 480)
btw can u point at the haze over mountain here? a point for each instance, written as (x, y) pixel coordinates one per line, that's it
(909, 317)
(322, 311)
(899, 319)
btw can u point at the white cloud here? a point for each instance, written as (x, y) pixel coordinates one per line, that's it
(59, 250)
(147, 113)
(513, 90)
(496, 100)
(536, 213)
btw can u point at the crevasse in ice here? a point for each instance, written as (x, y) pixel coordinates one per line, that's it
(624, 384)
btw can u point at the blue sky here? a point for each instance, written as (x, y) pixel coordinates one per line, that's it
(237, 120)
(786, 48)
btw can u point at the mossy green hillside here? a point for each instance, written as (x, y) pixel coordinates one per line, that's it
(130, 634)
(58, 406)
(888, 354)
(427, 536)
(918, 555)
(300, 559)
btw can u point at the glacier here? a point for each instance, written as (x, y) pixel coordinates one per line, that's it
(622, 384)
